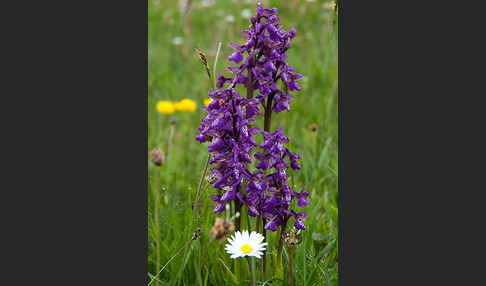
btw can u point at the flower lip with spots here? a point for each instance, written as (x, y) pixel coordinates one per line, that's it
(243, 244)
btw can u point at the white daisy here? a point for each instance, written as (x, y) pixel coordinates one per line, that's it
(244, 244)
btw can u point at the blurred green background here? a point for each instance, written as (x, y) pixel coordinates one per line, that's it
(175, 72)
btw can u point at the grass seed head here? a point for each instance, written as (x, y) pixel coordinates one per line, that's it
(204, 60)
(313, 127)
(157, 157)
(221, 229)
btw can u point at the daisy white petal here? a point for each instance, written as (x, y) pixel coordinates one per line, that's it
(243, 244)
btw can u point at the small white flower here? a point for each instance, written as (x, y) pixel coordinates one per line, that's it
(246, 13)
(177, 41)
(244, 244)
(207, 3)
(230, 19)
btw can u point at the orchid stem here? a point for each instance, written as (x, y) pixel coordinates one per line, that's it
(291, 262)
(266, 127)
(238, 218)
(279, 265)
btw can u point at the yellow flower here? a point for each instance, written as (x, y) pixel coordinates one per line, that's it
(207, 101)
(165, 107)
(185, 105)
(334, 6)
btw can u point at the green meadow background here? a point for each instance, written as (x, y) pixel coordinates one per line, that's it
(175, 72)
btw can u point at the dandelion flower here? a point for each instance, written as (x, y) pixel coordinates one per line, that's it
(244, 244)
(165, 107)
(207, 101)
(186, 104)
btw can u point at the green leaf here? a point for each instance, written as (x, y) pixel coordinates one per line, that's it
(233, 278)
(315, 262)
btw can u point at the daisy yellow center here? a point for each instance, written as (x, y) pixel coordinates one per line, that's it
(246, 248)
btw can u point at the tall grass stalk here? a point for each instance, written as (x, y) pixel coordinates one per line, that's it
(174, 256)
(171, 136)
(215, 64)
(212, 84)
(156, 221)
(195, 236)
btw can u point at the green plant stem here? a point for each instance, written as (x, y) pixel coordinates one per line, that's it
(264, 257)
(291, 263)
(268, 113)
(237, 210)
(215, 64)
(170, 259)
(281, 238)
(279, 265)
(169, 141)
(196, 201)
(231, 214)
(156, 221)
(249, 90)
(278, 258)
(251, 268)
(237, 269)
(266, 127)
(258, 222)
(248, 225)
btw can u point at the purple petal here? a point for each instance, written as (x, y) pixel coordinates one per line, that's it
(294, 86)
(270, 225)
(269, 67)
(234, 46)
(299, 224)
(219, 208)
(292, 32)
(297, 76)
(302, 202)
(235, 57)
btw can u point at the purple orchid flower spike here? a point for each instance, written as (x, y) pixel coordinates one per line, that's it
(260, 67)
